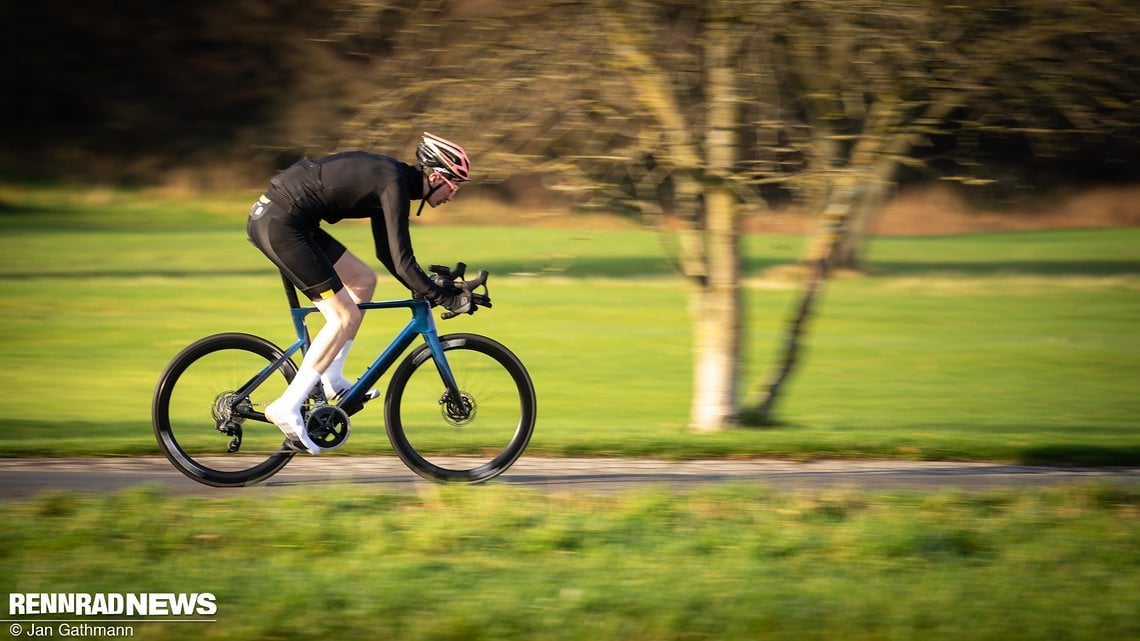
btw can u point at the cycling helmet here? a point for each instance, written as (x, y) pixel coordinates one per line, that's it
(445, 157)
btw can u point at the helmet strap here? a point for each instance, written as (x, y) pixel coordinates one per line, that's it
(425, 198)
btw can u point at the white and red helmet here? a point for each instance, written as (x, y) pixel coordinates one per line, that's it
(445, 157)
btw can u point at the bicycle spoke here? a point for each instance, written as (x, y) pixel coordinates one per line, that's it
(470, 438)
(202, 422)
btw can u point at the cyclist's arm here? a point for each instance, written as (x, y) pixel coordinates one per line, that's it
(394, 244)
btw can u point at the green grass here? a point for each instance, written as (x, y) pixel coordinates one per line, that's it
(998, 347)
(1014, 347)
(500, 563)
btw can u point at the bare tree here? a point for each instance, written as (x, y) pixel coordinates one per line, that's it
(639, 105)
(682, 112)
(873, 80)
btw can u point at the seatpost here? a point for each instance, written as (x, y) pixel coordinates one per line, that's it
(294, 306)
(290, 292)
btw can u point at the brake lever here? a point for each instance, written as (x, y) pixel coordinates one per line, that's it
(468, 287)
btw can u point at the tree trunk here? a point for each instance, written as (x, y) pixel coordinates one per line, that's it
(867, 203)
(878, 150)
(716, 305)
(818, 262)
(716, 317)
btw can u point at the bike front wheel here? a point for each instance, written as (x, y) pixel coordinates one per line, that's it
(468, 438)
(201, 410)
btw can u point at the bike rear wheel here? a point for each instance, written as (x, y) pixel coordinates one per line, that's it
(471, 439)
(197, 414)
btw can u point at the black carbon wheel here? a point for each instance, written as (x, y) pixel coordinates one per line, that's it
(471, 437)
(197, 414)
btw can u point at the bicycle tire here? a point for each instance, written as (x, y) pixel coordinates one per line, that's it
(478, 446)
(187, 398)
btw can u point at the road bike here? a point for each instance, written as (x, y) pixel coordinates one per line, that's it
(458, 408)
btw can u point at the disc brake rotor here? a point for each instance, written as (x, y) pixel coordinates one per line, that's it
(457, 412)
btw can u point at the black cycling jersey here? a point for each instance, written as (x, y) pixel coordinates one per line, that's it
(357, 184)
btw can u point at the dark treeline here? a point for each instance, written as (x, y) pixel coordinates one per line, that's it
(126, 91)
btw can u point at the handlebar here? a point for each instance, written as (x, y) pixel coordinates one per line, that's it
(446, 276)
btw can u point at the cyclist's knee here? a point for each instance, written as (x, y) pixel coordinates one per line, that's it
(363, 287)
(357, 276)
(341, 311)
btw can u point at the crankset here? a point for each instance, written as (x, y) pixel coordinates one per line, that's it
(328, 426)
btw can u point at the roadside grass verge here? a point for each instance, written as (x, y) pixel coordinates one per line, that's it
(1012, 347)
(501, 563)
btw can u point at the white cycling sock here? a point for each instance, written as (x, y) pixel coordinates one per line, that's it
(298, 391)
(285, 412)
(333, 378)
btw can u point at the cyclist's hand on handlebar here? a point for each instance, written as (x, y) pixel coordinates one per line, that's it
(459, 303)
(460, 296)
(442, 282)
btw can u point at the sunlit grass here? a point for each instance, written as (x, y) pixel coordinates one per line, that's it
(1016, 346)
(501, 563)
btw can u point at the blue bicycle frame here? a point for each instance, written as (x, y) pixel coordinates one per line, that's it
(422, 323)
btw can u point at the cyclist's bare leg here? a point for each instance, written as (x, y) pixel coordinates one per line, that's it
(357, 277)
(342, 320)
(360, 281)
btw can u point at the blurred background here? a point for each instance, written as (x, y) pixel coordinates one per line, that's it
(670, 184)
(1018, 96)
(834, 118)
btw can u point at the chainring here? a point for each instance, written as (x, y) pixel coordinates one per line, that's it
(328, 426)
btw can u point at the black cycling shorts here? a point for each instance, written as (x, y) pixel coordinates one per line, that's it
(302, 251)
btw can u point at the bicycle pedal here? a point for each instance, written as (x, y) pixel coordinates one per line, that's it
(297, 447)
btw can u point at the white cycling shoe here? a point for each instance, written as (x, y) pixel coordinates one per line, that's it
(289, 421)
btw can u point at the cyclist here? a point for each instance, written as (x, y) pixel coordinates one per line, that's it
(285, 225)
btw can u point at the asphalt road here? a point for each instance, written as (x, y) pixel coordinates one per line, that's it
(24, 478)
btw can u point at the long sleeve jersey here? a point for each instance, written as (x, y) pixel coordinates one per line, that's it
(359, 184)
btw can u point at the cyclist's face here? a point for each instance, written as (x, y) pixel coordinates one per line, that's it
(442, 190)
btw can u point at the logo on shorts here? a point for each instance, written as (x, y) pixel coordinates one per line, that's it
(259, 207)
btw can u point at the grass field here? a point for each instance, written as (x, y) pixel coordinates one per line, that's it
(730, 563)
(1015, 347)
(1018, 347)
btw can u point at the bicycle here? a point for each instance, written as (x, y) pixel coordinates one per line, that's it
(466, 417)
